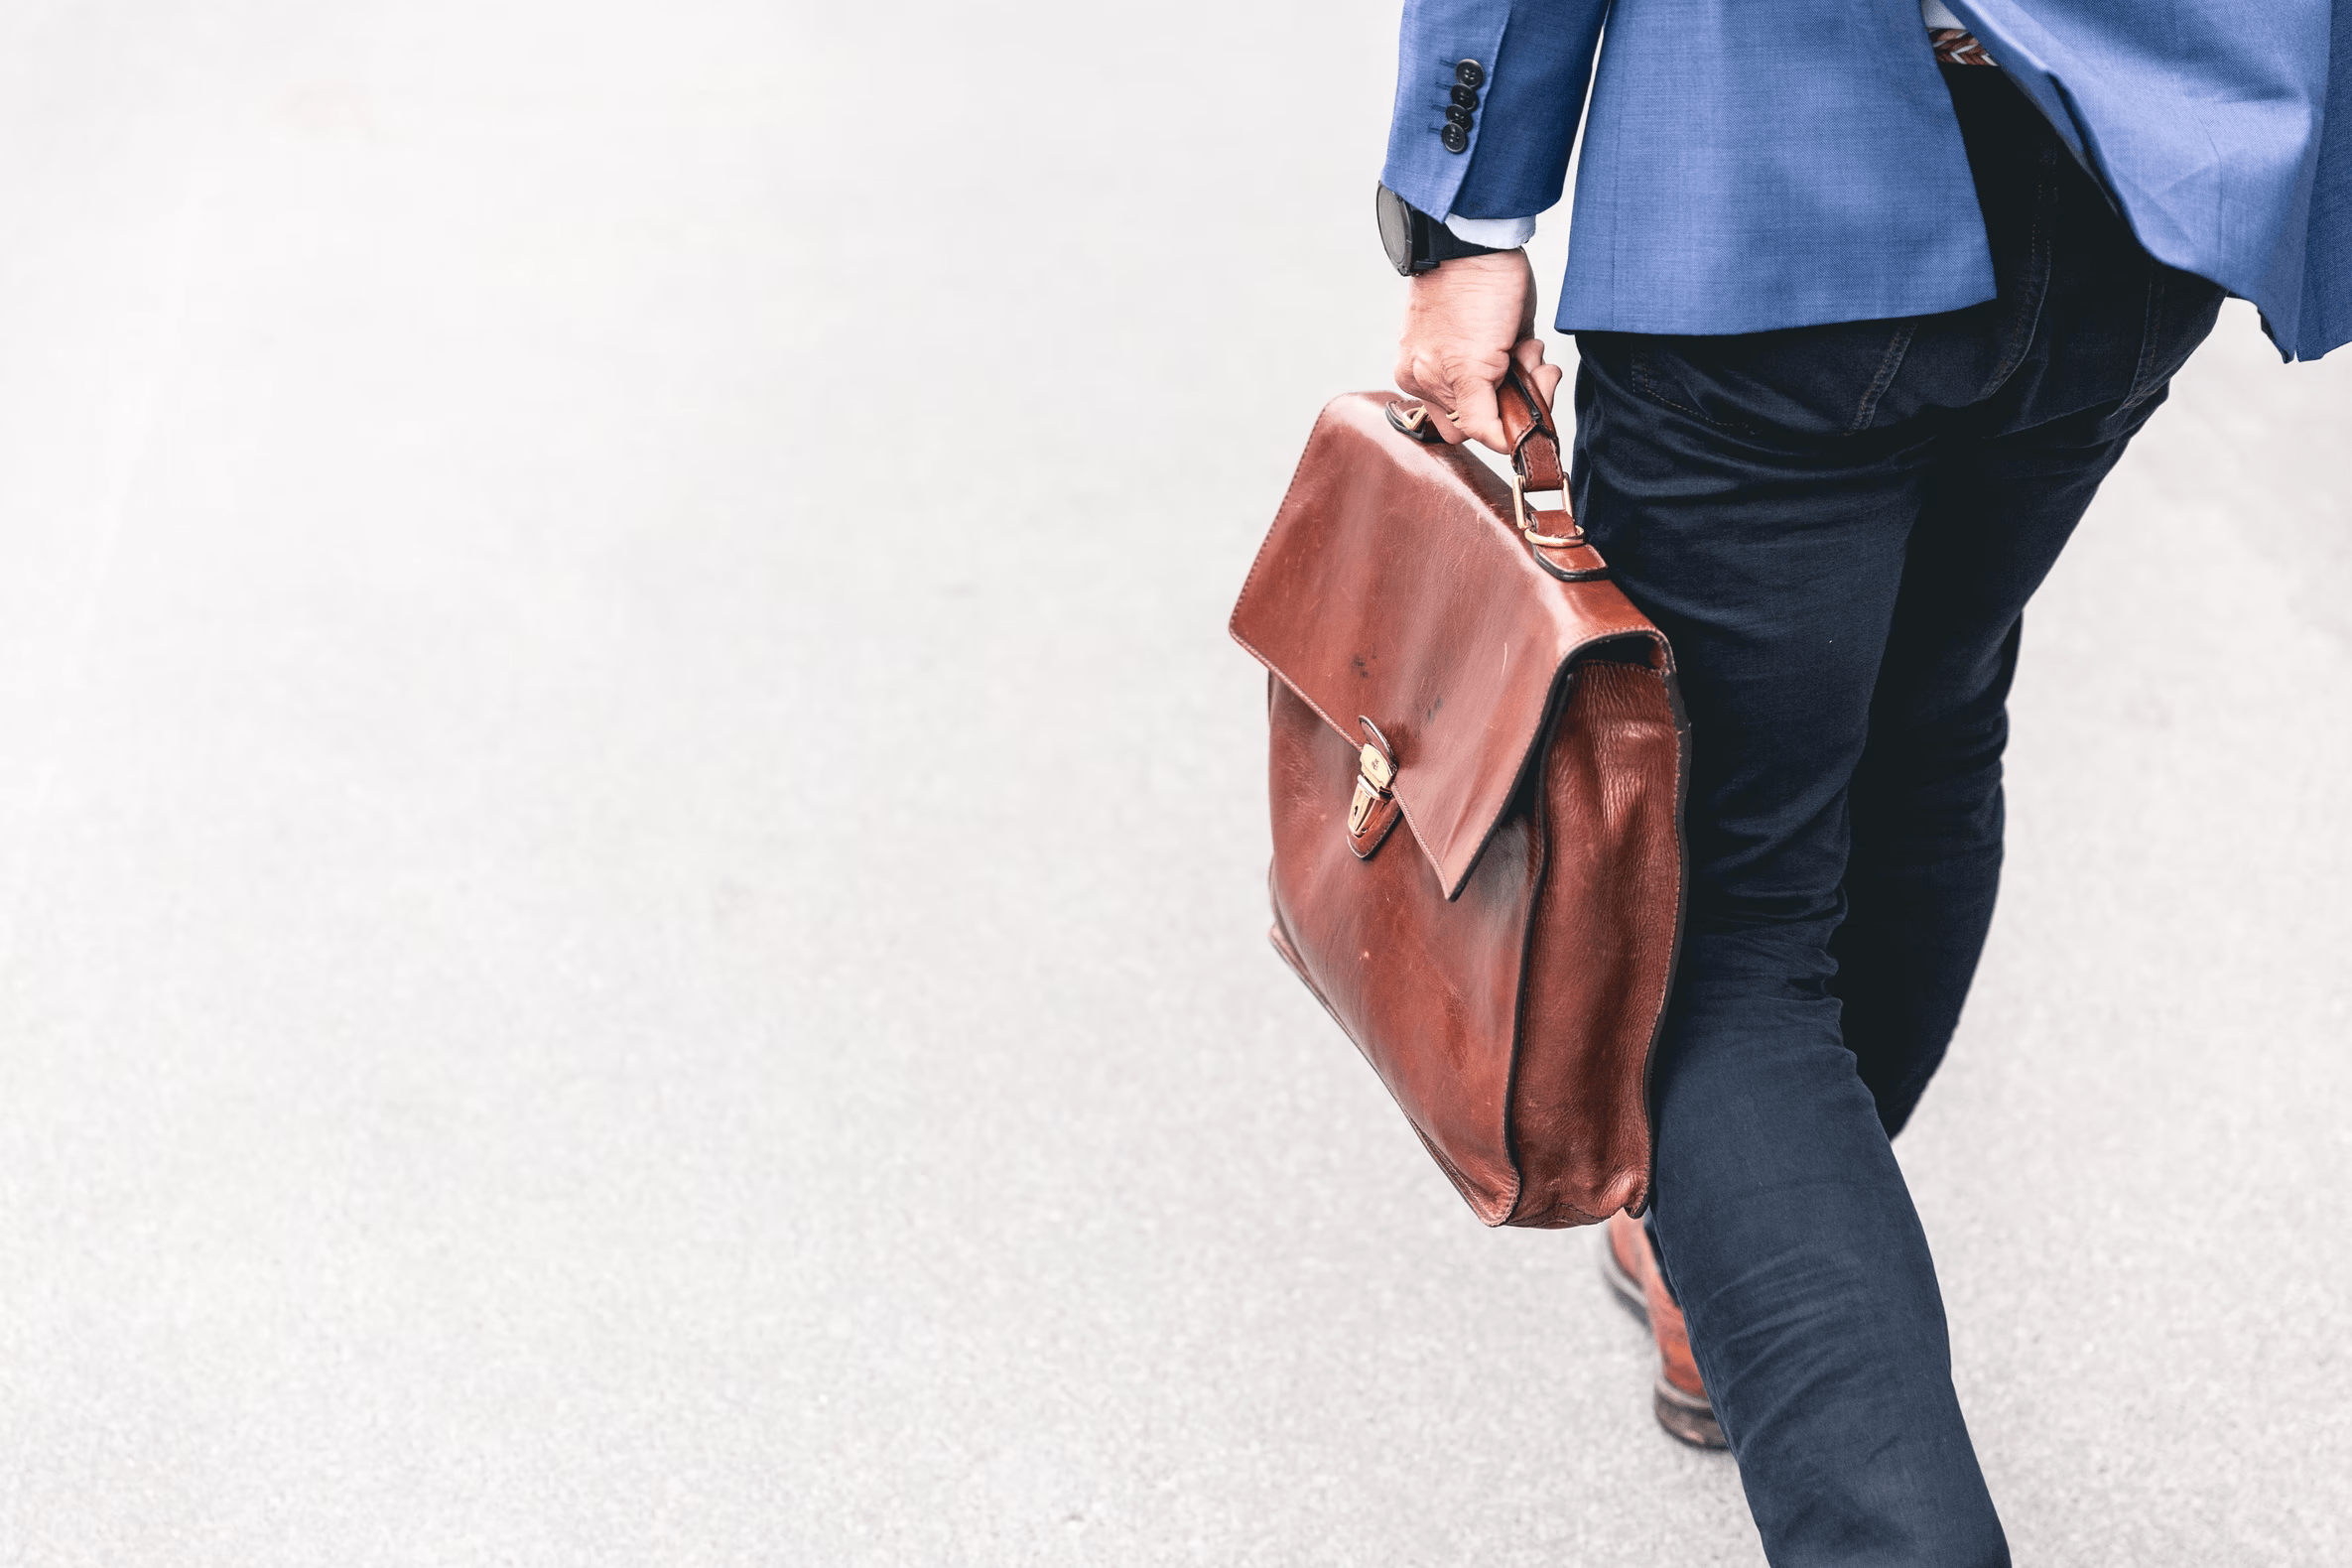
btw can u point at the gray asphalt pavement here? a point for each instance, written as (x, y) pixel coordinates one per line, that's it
(631, 918)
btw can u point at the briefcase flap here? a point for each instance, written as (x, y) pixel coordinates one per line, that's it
(1395, 587)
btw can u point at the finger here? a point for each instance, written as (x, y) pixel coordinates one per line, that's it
(1547, 383)
(1479, 416)
(1528, 354)
(1430, 392)
(1437, 391)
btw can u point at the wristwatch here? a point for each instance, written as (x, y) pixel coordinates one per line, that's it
(1416, 241)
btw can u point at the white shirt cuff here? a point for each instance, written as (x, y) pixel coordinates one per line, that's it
(1501, 233)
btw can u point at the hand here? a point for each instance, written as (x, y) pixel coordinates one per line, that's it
(1466, 322)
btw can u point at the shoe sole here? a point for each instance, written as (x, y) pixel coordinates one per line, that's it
(1690, 1421)
(1685, 1419)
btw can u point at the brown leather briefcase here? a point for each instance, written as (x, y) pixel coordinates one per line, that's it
(1442, 653)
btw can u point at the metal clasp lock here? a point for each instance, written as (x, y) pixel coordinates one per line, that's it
(1374, 810)
(1374, 774)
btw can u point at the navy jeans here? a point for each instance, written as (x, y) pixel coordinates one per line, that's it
(1839, 527)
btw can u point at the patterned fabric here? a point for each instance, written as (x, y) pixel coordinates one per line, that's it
(1958, 47)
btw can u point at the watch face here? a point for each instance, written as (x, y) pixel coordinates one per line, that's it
(1397, 229)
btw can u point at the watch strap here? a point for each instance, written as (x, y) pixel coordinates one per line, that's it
(1443, 244)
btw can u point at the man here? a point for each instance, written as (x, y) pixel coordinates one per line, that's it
(1868, 298)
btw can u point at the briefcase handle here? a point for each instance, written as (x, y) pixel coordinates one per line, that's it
(1535, 463)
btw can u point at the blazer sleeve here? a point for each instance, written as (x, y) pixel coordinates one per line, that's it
(1537, 56)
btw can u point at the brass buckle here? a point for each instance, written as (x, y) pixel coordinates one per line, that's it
(1521, 514)
(1374, 773)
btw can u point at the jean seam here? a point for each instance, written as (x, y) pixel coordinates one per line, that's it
(2144, 380)
(1896, 347)
(1649, 389)
(2020, 337)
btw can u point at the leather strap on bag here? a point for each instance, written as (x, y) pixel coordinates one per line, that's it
(1534, 441)
(1554, 538)
(1536, 467)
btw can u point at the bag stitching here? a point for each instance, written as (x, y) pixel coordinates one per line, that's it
(1267, 543)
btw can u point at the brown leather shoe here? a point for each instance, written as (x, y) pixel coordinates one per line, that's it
(1631, 1270)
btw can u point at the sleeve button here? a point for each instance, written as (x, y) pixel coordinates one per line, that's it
(1469, 74)
(1458, 115)
(1465, 97)
(1456, 139)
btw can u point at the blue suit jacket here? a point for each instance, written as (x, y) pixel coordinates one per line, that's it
(1752, 163)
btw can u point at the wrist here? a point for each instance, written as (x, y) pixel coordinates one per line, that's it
(1497, 272)
(1495, 261)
